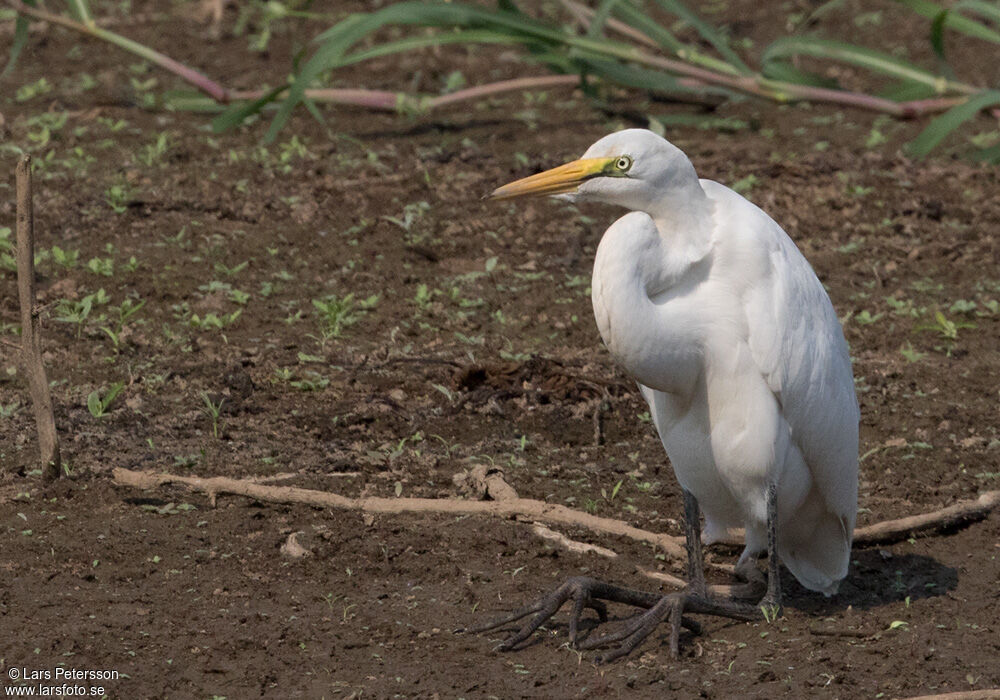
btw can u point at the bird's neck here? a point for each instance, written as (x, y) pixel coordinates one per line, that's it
(644, 275)
(683, 215)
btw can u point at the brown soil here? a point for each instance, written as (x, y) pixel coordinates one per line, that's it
(480, 348)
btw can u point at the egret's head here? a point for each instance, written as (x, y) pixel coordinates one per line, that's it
(632, 168)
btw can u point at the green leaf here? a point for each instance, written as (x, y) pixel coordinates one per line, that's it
(20, 39)
(238, 113)
(990, 155)
(632, 16)
(646, 78)
(850, 53)
(937, 43)
(937, 130)
(480, 25)
(991, 11)
(80, 11)
(957, 22)
(704, 122)
(600, 18)
(907, 90)
(788, 73)
(94, 404)
(112, 394)
(708, 33)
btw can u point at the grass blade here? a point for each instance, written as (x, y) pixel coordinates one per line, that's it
(786, 72)
(708, 33)
(937, 130)
(20, 39)
(238, 113)
(647, 79)
(80, 11)
(339, 39)
(937, 43)
(632, 16)
(907, 90)
(600, 17)
(989, 11)
(955, 21)
(850, 53)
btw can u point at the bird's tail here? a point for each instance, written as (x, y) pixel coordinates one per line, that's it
(816, 545)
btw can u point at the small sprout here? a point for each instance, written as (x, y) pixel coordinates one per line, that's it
(98, 405)
(212, 410)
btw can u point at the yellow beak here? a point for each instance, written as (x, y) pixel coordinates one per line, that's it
(565, 178)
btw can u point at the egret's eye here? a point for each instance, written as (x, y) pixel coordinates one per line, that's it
(623, 164)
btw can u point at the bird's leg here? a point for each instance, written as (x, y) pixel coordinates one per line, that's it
(692, 542)
(770, 604)
(696, 598)
(585, 593)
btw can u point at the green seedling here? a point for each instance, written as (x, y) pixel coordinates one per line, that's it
(213, 321)
(118, 196)
(310, 381)
(153, 153)
(335, 314)
(98, 405)
(126, 311)
(212, 410)
(102, 266)
(614, 492)
(231, 271)
(78, 312)
(411, 214)
(944, 327)
(28, 92)
(865, 317)
(910, 353)
(65, 258)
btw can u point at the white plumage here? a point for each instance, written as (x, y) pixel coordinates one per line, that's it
(708, 304)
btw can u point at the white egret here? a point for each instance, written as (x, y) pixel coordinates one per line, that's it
(707, 303)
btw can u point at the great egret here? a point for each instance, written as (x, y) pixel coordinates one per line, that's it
(708, 304)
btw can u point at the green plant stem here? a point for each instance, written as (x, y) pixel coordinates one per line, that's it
(199, 80)
(756, 84)
(383, 100)
(388, 101)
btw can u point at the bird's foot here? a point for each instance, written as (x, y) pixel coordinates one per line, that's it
(591, 593)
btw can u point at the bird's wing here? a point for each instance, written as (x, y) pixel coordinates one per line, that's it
(796, 341)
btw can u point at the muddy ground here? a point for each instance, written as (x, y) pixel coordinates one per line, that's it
(469, 339)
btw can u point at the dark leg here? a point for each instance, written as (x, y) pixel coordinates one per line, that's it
(692, 541)
(770, 604)
(589, 593)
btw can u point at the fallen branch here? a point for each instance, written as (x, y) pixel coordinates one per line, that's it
(889, 531)
(992, 694)
(955, 515)
(31, 344)
(535, 510)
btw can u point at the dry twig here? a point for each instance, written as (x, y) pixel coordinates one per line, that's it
(991, 694)
(535, 510)
(31, 344)
(508, 505)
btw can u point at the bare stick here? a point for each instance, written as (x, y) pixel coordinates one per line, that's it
(888, 531)
(954, 515)
(536, 510)
(572, 545)
(992, 694)
(31, 345)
